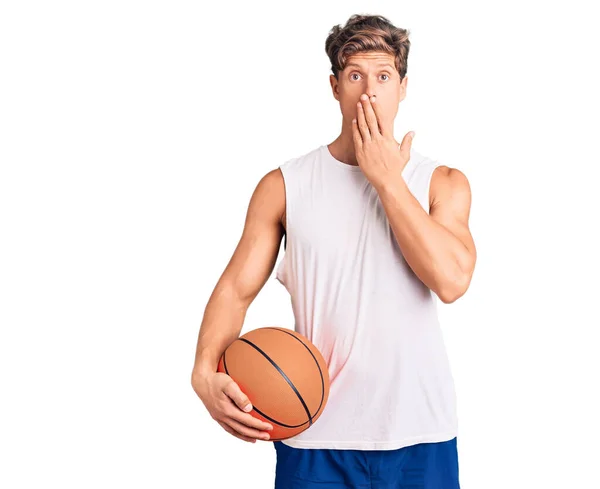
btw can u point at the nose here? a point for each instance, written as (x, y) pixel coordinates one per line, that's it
(370, 91)
(371, 87)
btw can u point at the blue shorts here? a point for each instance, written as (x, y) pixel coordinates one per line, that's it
(420, 466)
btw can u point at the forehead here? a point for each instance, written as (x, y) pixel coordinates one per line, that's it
(370, 60)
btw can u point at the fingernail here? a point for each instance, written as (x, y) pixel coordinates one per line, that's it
(248, 408)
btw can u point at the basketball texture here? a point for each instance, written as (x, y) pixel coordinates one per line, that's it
(283, 374)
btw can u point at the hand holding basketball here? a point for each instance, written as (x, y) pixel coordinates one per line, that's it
(225, 402)
(284, 376)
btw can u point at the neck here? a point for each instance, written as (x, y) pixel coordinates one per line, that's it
(342, 148)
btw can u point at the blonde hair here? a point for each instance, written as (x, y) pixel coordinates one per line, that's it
(365, 33)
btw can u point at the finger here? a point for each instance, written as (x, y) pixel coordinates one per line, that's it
(406, 143)
(235, 433)
(356, 137)
(380, 122)
(369, 111)
(248, 420)
(242, 429)
(233, 391)
(362, 123)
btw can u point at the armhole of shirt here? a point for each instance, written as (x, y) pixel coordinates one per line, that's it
(431, 168)
(286, 191)
(280, 271)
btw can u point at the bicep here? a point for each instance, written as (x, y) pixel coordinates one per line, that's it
(256, 253)
(451, 205)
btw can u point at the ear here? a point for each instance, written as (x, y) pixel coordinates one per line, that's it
(402, 88)
(334, 87)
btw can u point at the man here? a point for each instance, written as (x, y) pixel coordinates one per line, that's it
(373, 230)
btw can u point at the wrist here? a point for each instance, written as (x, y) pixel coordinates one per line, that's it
(202, 371)
(392, 187)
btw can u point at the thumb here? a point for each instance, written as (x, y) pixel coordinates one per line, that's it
(407, 142)
(239, 398)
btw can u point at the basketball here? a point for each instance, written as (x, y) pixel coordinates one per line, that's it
(283, 374)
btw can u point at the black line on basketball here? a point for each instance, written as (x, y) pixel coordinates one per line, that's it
(291, 384)
(225, 362)
(279, 422)
(273, 420)
(311, 353)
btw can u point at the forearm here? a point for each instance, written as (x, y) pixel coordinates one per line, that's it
(221, 325)
(436, 256)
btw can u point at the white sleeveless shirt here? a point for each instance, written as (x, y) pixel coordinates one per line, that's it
(357, 300)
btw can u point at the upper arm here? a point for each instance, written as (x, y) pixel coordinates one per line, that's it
(256, 253)
(450, 205)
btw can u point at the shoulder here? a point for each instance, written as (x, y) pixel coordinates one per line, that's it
(268, 198)
(272, 179)
(448, 182)
(301, 162)
(270, 192)
(271, 186)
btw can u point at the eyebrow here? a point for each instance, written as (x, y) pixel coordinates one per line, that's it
(379, 65)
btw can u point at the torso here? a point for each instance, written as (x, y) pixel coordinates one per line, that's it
(357, 300)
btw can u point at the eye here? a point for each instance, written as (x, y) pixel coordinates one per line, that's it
(383, 74)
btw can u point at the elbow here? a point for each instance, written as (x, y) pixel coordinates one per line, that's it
(457, 283)
(450, 296)
(454, 289)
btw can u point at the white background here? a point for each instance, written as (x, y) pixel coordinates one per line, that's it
(132, 137)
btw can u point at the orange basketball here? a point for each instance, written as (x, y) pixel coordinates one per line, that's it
(283, 374)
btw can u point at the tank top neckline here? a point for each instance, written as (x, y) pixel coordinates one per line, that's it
(330, 159)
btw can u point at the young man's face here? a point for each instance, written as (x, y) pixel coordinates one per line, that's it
(372, 73)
